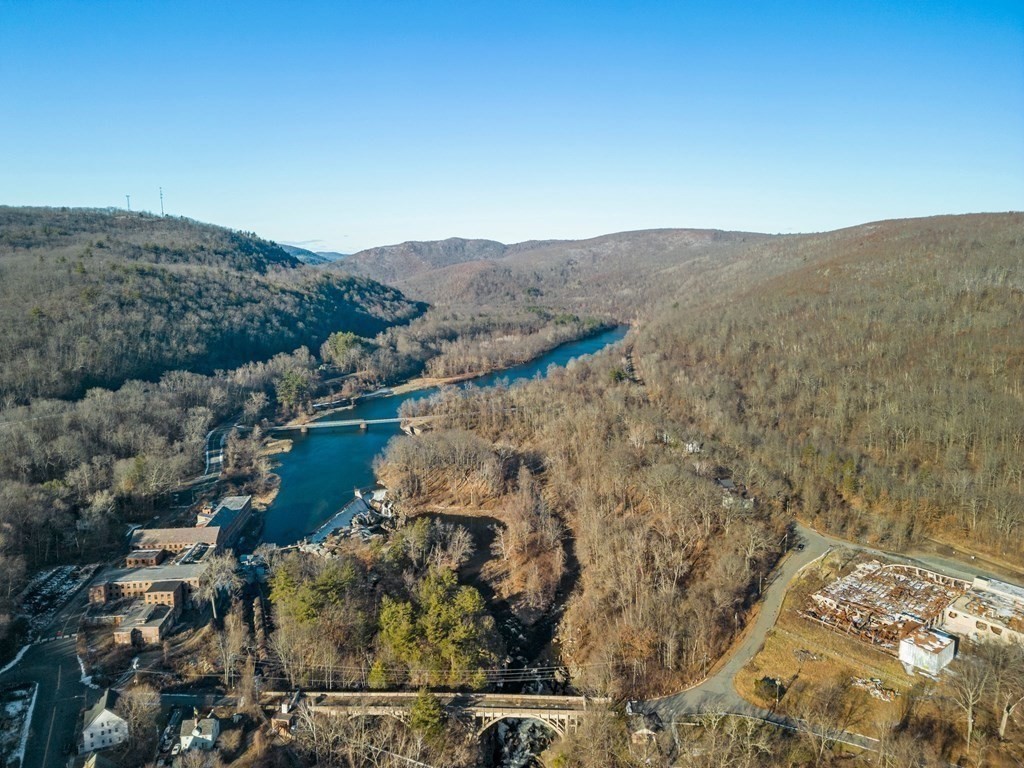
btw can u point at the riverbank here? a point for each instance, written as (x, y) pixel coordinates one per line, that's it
(323, 467)
(272, 446)
(420, 383)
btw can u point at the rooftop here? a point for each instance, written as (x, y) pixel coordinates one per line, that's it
(164, 586)
(156, 573)
(997, 606)
(147, 538)
(106, 703)
(1011, 591)
(143, 615)
(883, 603)
(235, 503)
(929, 640)
(144, 552)
(206, 726)
(227, 511)
(193, 554)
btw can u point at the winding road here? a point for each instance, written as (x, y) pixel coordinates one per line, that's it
(717, 692)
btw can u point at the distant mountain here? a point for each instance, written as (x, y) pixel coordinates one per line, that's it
(331, 255)
(607, 273)
(395, 263)
(97, 297)
(312, 258)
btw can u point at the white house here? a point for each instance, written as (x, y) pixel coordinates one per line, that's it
(101, 726)
(199, 734)
(927, 650)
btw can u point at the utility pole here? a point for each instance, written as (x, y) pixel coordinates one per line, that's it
(161, 201)
(129, 199)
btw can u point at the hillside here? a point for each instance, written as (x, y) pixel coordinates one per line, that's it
(869, 381)
(311, 258)
(876, 388)
(396, 263)
(94, 298)
(613, 273)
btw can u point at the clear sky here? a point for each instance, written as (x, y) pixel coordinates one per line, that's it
(352, 124)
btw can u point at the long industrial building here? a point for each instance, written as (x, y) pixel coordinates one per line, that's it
(917, 614)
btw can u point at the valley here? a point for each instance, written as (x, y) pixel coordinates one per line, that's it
(617, 527)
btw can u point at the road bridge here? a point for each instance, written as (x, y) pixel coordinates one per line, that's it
(562, 714)
(407, 425)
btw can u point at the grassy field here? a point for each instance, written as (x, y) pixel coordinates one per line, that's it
(803, 654)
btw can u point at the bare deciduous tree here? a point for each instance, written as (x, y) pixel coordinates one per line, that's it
(968, 685)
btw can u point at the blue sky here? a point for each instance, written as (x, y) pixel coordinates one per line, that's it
(352, 124)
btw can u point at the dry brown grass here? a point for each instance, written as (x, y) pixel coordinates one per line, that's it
(799, 651)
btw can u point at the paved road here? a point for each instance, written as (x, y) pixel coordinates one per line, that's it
(53, 664)
(215, 442)
(717, 692)
(213, 465)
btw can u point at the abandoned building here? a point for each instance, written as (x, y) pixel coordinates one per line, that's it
(136, 582)
(169, 593)
(144, 624)
(141, 558)
(882, 604)
(917, 614)
(177, 539)
(928, 650)
(989, 610)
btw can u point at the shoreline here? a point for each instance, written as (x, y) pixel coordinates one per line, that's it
(417, 383)
(274, 446)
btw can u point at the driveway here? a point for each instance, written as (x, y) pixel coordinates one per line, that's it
(716, 693)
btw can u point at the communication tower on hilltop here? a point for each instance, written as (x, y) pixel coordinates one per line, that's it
(128, 198)
(161, 201)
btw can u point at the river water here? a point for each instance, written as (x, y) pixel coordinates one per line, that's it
(324, 466)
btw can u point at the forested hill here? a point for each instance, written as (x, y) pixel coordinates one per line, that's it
(97, 297)
(313, 258)
(395, 263)
(612, 273)
(877, 386)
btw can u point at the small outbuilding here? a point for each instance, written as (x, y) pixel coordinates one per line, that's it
(927, 650)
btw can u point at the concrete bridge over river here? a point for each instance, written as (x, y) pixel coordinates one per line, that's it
(562, 714)
(410, 425)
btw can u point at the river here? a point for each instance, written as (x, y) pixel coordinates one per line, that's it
(324, 466)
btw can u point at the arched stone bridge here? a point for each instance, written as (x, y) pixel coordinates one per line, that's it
(562, 714)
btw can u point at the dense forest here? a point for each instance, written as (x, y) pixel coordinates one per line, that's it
(867, 381)
(94, 298)
(601, 481)
(871, 376)
(877, 390)
(444, 343)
